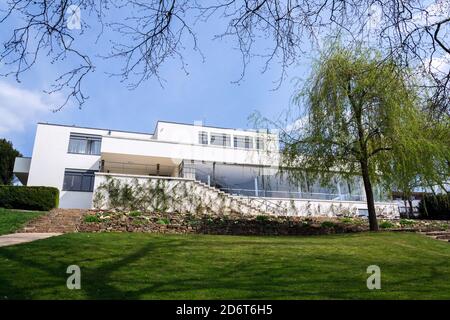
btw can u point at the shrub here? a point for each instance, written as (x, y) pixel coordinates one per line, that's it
(135, 213)
(327, 224)
(347, 220)
(262, 218)
(406, 222)
(29, 198)
(163, 221)
(91, 218)
(435, 206)
(386, 225)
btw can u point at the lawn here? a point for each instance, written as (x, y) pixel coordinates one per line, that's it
(150, 266)
(12, 220)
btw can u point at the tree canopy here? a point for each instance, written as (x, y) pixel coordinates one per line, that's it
(363, 116)
(7, 157)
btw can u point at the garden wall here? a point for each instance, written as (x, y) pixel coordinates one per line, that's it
(170, 194)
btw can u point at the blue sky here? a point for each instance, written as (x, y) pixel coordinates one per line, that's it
(207, 93)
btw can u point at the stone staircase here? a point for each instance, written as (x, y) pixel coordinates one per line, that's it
(439, 235)
(57, 220)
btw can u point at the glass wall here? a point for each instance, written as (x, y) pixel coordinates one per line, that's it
(267, 182)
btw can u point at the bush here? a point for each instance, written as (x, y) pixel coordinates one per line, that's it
(135, 213)
(91, 218)
(386, 225)
(163, 221)
(435, 206)
(262, 218)
(406, 222)
(328, 224)
(29, 198)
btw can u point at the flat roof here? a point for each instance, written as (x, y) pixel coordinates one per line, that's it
(207, 126)
(92, 128)
(147, 133)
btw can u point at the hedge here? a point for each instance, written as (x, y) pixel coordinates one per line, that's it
(29, 198)
(435, 206)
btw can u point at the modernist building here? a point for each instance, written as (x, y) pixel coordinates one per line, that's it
(240, 162)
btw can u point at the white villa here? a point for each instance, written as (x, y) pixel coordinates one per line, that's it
(241, 163)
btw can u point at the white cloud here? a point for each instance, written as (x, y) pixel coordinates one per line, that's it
(20, 107)
(440, 64)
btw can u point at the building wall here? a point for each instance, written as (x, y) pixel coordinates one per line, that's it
(183, 151)
(50, 159)
(184, 133)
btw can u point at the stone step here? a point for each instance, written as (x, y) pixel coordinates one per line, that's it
(443, 237)
(437, 233)
(57, 220)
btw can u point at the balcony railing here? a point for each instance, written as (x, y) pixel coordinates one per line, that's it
(292, 194)
(136, 168)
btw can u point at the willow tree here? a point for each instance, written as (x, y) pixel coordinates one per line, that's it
(363, 117)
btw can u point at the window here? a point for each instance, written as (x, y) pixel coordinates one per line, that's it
(259, 143)
(363, 212)
(203, 137)
(84, 144)
(220, 139)
(243, 142)
(78, 180)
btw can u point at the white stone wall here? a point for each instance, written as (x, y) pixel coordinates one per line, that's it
(218, 202)
(328, 208)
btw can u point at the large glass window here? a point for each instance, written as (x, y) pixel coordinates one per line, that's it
(78, 180)
(243, 142)
(84, 144)
(203, 137)
(259, 143)
(220, 139)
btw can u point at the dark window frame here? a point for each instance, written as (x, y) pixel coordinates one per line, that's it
(259, 143)
(246, 141)
(224, 138)
(87, 176)
(203, 137)
(90, 140)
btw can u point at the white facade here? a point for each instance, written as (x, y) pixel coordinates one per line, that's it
(235, 161)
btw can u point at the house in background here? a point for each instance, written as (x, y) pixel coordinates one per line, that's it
(242, 163)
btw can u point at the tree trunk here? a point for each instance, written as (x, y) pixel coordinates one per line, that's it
(411, 211)
(373, 223)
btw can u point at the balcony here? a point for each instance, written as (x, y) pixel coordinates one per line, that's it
(119, 148)
(22, 169)
(143, 169)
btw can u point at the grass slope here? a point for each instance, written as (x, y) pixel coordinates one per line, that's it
(137, 266)
(12, 220)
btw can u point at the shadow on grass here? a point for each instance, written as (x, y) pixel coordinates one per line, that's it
(208, 267)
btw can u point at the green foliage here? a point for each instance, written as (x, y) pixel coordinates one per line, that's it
(262, 218)
(407, 222)
(328, 224)
(435, 206)
(151, 195)
(135, 213)
(29, 198)
(347, 220)
(91, 218)
(12, 220)
(7, 157)
(363, 117)
(164, 221)
(386, 225)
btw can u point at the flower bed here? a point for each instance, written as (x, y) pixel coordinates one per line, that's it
(234, 224)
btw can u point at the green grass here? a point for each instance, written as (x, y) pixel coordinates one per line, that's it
(12, 220)
(150, 266)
